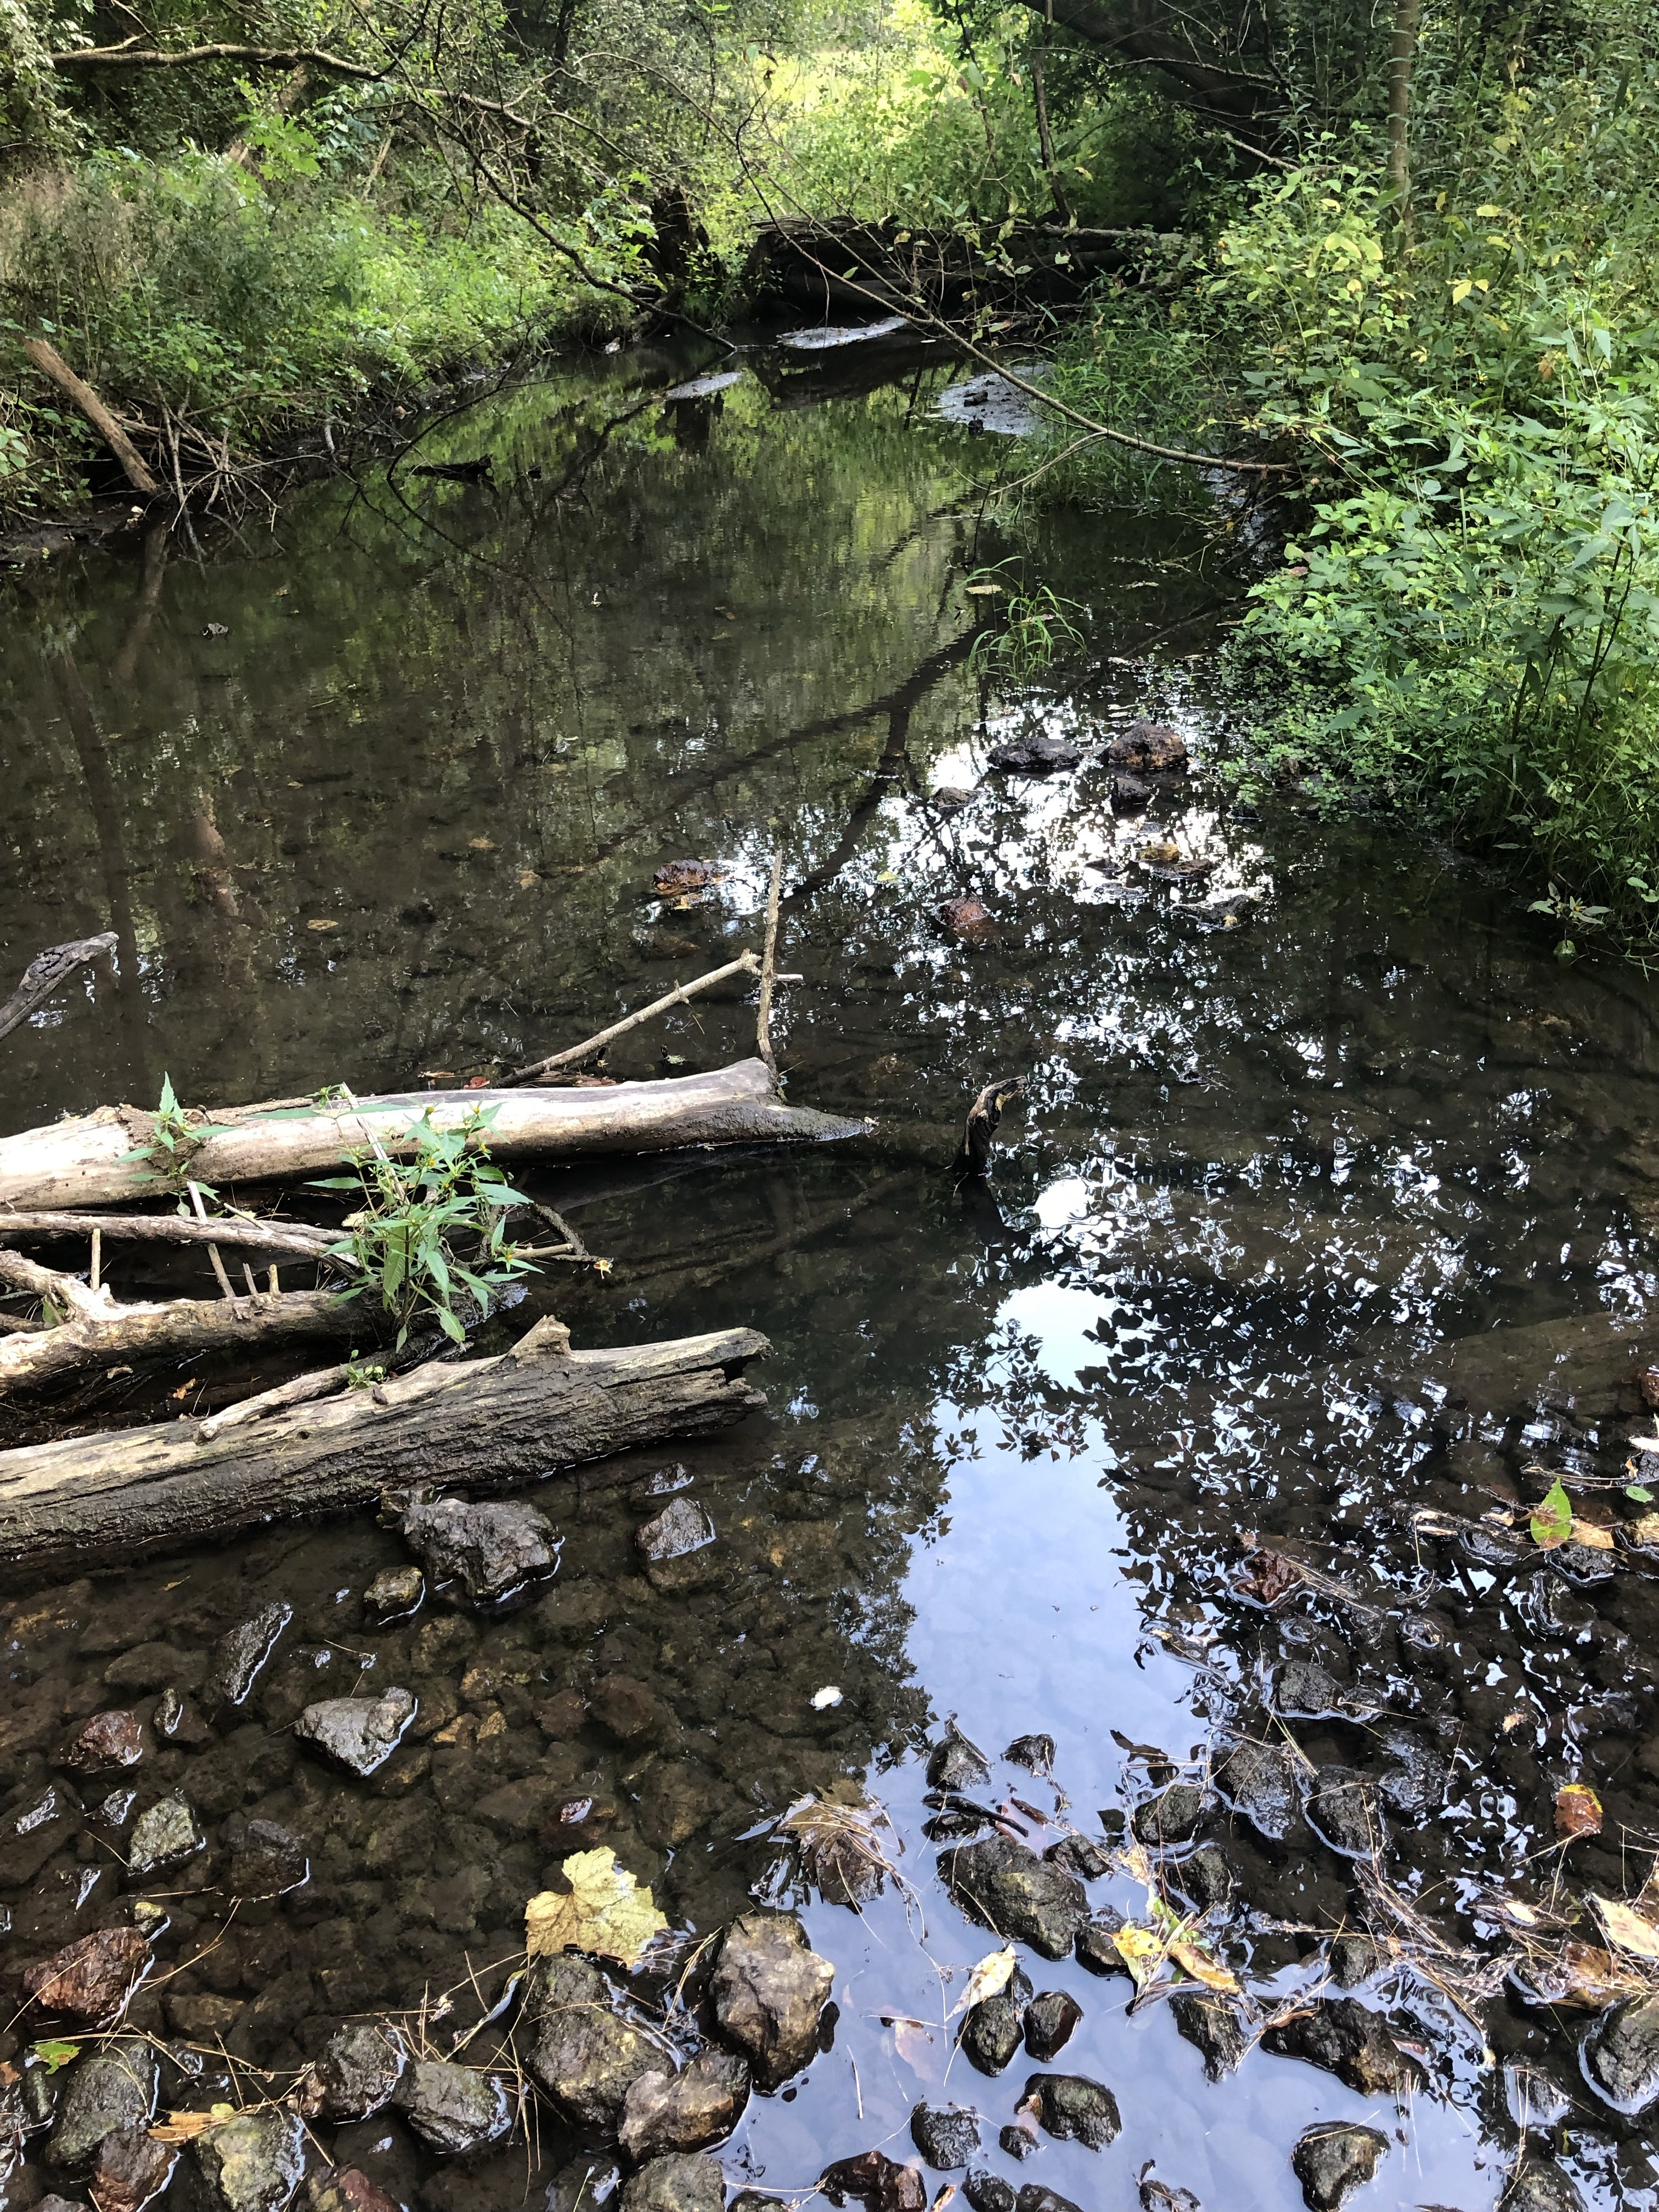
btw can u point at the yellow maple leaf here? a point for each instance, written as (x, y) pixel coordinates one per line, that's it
(606, 1911)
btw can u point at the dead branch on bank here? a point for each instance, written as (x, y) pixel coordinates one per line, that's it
(46, 971)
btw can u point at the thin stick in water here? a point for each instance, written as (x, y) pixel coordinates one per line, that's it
(768, 964)
(744, 964)
(213, 1250)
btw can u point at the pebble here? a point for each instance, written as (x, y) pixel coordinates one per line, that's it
(91, 1978)
(1174, 1816)
(395, 1592)
(880, 2182)
(947, 2135)
(1082, 1855)
(359, 1734)
(1261, 1784)
(768, 1990)
(106, 1741)
(1351, 2041)
(993, 2029)
(1540, 2186)
(1342, 1811)
(165, 1836)
(1213, 2026)
(1095, 1948)
(452, 2109)
(1332, 2159)
(953, 1763)
(266, 1860)
(254, 2162)
(110, 2087)
(677, 2182)
(1002, 1882)
(240, 1654)
(1016, 2142)
(492, 1548)
(1073, 2108)
(357, 2071)
(1049, 2021)
(702, 2103)
(681, 1528)
(587, 2058)
(1033, 1752)
(1620, 2055)
(988, 2192)
(132, 2169)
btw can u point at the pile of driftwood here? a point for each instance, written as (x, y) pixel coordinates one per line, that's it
(334, 1436)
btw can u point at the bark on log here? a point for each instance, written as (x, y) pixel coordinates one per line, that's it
(174, 1328)
(278, 1240)
(480, 1425)
(88, 1161)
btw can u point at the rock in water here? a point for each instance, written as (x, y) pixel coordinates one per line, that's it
(266, 1860)
(1351, 2041)
(106, 1741)
(769, 1989)
(359, 1734)
(394, 1592)
(455, 2109)
(955, 1764)
(1036, 2196)
(1538, 2187)
(586, 2057)
(1095, 1948)
(880, 2182)
(1173, 1816)
(357, 2071)
(1261, 1784)
(1003, 1883)
(1073, 2108)
(1332, 2159)
(681, 1527)
(345, 2189)
(1084, 1856)
(1034, 1752)
(1621, 2054)
(678, 2183)
(165, 1836)
(132, 2168)
(947, 2135)
(1343, 1812)
(490, 1549)
(239, 1655)
(702, 2103)
(988, 2192)
(992, 2029)
(110, 2087)
(1153, 748)
(1035, 754)
(91, 1977)
(1017, 2142)
(1049, 2021)
(254, 2162)
(1157, 2196)
(1213, 2028)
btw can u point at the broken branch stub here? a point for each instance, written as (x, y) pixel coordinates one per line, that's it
(979, 1132)
(46, 971)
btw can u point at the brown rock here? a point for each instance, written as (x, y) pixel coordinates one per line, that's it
(1152, 746)
(132, 2168)
(681, 2111)
(345, 2189)
(880, 2182)
(969, 919)
(625, 1709)
(106, 1739)
(91, 1978)
(769, 1989)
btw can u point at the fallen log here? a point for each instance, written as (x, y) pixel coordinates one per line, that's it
(46, 971)
(479, 1425)
(286, 1240)
(112, 1154)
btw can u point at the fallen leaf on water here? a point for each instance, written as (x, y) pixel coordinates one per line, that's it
(1588, 1533)
(1644, 1531)
(1190, 1954)
(1143, 1951)
(606, 1911)
(322, 925)
(992, 1974)
(526, 878)
(482, 844)
(1577, 1811)
(1551, 1520)
(1580, 1974)
(1630, 1929)
(184, 2127)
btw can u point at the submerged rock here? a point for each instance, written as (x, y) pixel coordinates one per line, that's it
(586, 2056)
(1302, 1690)
(1005, 1884)
(1049, 2021)
(1343, 1812)
(266, 1860)
(702, 2103)
(111, 2087)
(1540, 2186)
(165, 1836)
(992, 2030)
(239, 1655)
(394, 1594)
(345, 2189)
(880, 2182)
(953, 1763)
(678, 2183)
(454, 2109)
(1332, 2159)
(768, 1990)
(357, 2071)
(1261, 1784)
(254, 2162)
(360, 1734)
(491, 1549)
(1620, 2055)
(106, 1741)
(132, 2169)
(1213, 2028)
(1351, 2041)
(91, 1977)
(1073, 2108)
(947, 2135)
(1174, 1816)
(683, 1526)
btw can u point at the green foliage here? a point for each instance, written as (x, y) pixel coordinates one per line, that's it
(402, 1237)
(1037, 625)
(174, 1143)
(1552, 1518)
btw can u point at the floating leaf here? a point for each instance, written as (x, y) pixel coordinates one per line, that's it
(1644, 1531)
(51, 2056)
(1552, 1521)
(1143, 1951)
(1577, 1811)
(1592, 1535)
(184, 2127)
(1631, 1929)
(1193, 1958)
(606, 1911)
(992, 1975)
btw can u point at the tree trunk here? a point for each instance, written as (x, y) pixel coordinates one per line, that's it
(481, 1425)
(1402, 54)
(88, 1161)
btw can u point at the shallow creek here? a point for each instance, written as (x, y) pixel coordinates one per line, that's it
(1328, 1204)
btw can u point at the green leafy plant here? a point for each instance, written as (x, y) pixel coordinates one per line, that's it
(403, 1235)
(1552, 1519)
(175, 1143)
(1035, 626)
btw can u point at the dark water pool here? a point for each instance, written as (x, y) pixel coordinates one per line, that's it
(1328, 1206)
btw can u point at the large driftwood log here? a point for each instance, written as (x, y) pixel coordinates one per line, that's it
(90, 1160)
(480, 1425)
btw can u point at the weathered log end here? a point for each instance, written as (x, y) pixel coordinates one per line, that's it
(477, 1425)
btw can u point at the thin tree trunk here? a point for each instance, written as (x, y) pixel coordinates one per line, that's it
(1402, 54)
(1045, 136)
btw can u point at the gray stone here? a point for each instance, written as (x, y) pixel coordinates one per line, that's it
(988, 2192)
(1261, 1784)
(586, 2055)
(452, 2109)
(1334, 2158)
(955, 1764)
(1174, 1816)
(1212, 2027)
(1033, 1752)
(947, 2135)
(360, 1734)
(1349, 2040)
(266, 1860)
(1083, 1855)
(668, 2112)
(1302, 1690)
(1073, 2108)
(993, 2029)
(1095, 1948)
(768, 1990)
(679, 2182)
(1049, 2021)
(1038, 2196)
(491, 1549)
(165, 1836)
(1620, 2055)
(239, 1655)
(1343, 1812)
(1006, 1885)
(357, 2071)
(132, 2170)
(1541, 2187)
(254, 2162)
(681, 1527)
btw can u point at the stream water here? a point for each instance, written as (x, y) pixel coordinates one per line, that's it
(1328, 1205)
